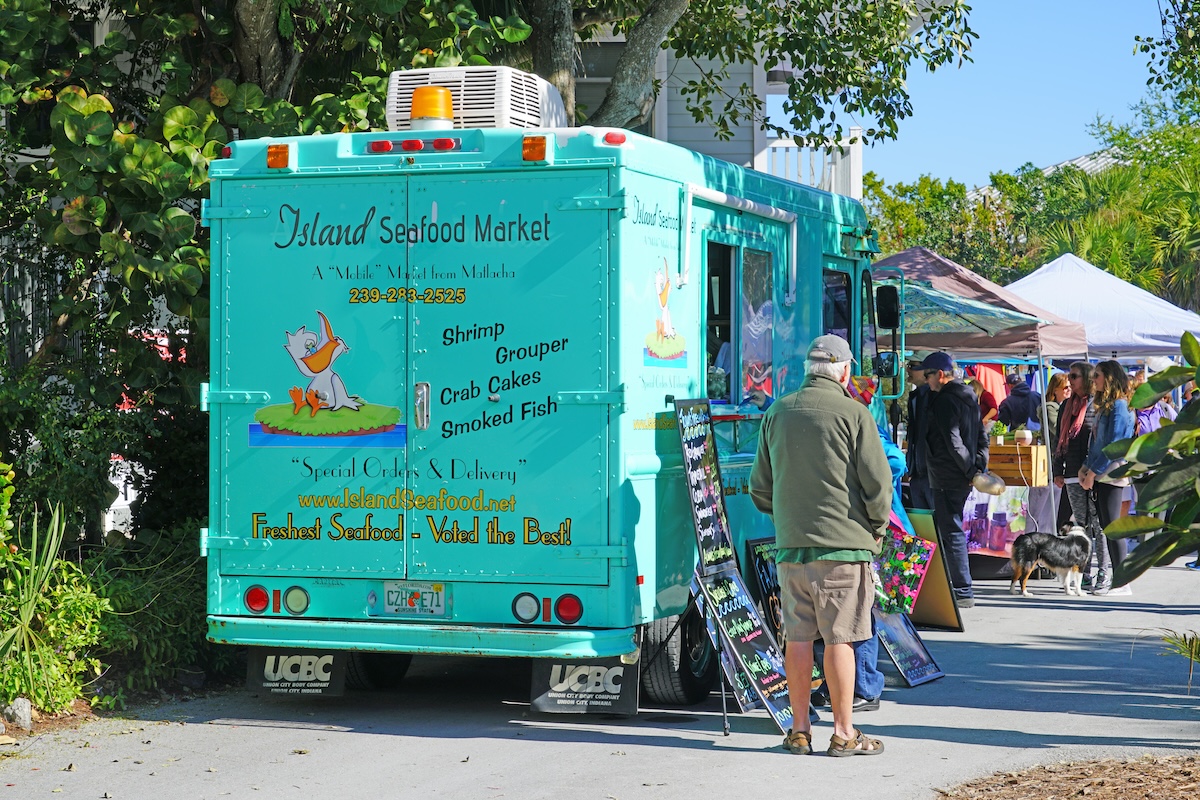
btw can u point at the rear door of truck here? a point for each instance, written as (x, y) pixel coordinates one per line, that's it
(312, 314)
(511, 381)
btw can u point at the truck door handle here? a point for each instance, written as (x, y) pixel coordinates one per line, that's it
(421, 404)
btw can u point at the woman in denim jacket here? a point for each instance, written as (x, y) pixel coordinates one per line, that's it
(1114, 421)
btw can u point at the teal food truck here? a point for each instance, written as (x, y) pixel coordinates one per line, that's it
(443, 367)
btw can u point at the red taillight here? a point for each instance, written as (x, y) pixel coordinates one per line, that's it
(380, 146)
(226, 151)
(614, 137)
(412, 144)
(445, 144)
(568, 609)
(257, 599)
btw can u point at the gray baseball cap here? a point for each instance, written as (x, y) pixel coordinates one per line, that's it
(831, 348)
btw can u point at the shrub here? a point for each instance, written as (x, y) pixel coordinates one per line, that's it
(156, 587)
(49, 619)
(1166, 465)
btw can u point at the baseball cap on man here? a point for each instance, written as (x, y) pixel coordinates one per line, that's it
(1013, 378)
(830, 348)
(939, 361)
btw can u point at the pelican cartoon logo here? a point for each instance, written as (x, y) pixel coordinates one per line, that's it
(323, 412)
(314, 355)
(665, 347)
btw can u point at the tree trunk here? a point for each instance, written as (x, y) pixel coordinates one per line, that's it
(257, 44)
(630, 96)
(553, 47)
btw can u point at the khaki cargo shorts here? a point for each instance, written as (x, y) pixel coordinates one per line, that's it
(828, 600)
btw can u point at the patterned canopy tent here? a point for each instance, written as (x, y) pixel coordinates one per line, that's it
(928, 310)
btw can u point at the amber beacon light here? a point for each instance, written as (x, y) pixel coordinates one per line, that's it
(432, 109)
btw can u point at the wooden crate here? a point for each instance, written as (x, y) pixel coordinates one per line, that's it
(1020, 464)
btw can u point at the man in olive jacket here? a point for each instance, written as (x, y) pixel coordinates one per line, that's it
(821, 474)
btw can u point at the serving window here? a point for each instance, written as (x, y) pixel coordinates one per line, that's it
(739, 324)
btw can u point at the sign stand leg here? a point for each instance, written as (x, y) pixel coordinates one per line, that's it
(720, 657)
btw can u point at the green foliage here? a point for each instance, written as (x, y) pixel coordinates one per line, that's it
(1138, 219)
(63, 432)
(1174, 57)
(856, 68)
(1183, 644)
(156, 587)
(1168, 460)
(49, 620)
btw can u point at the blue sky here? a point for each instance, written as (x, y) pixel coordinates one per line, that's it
(1042, 71)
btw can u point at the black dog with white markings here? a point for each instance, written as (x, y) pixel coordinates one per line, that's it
(1068, 556)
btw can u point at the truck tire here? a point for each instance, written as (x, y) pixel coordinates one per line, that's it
(686, 669)
(376, 670)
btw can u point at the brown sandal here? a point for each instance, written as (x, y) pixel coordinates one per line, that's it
(798, 742)
(860, 745)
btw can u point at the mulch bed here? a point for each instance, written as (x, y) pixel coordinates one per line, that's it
(1145, 778)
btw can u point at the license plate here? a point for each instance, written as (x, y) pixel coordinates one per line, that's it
(409, 599)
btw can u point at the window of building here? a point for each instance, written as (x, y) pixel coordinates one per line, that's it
(598, 62)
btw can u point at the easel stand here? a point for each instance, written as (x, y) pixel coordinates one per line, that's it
(708, 611)
(709, 614)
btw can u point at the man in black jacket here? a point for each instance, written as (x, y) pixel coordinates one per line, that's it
(957, 450)
(915, 456)
(1022, 404)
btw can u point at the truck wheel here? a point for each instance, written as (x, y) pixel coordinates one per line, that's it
(376, 670)
(686, 670)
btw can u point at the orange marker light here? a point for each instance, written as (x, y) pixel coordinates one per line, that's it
(277, 156)
(533, 148)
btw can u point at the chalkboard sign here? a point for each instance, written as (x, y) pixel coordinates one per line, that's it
(735, 677)
(762, 562)
(703, 478)
(750, 642)
(908, 652)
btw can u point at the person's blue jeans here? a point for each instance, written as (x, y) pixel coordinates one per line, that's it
(947, 518)
(868, 680)
(919, 493)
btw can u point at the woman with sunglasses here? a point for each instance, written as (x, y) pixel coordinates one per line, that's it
(1076, 422)
(1114, 421)
(1043, 500)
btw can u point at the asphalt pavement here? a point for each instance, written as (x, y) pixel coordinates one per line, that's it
(1032, 680)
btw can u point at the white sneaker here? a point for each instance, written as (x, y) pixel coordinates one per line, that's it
(1122, 591)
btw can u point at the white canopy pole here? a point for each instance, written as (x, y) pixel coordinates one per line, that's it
(1047, 436)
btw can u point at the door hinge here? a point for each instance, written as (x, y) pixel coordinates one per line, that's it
(208, 212)
(615, 552)
(210, 542)
(211, 398)
(591, 398)
(614, 203)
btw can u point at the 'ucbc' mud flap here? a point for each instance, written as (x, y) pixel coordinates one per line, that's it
(587, 686)
(297, 672)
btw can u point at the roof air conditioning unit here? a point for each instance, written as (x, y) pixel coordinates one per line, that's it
(483, 97)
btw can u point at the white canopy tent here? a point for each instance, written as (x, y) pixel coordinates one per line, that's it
(1122, 321)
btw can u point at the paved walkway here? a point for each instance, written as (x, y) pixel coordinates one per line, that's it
(1047, 678)
(1032, 680)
